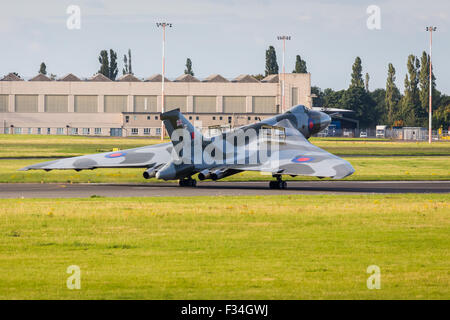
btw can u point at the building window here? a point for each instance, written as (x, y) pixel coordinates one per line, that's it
(196, 118)
(86, 131)
(214, 118)
(134, 118)
(48, 130)
(256, 118)
(134, 131)
(98, 131)
(229, 119)
(60, 131)
(249, 118)
(127, 119)
(17, 130)
(74, 131)
(147, 131)
(156, 117)
(158, 131)
(220, 118)
(190, 117)
(148, 117)
(39, 130)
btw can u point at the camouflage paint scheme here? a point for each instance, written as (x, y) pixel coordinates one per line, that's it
(295, 156)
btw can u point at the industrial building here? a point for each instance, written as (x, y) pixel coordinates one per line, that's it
(131, 106)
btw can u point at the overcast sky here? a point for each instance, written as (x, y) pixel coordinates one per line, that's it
(228, 37)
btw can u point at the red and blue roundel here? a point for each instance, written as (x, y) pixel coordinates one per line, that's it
(311, 124)
(116, 155)
(301, 159)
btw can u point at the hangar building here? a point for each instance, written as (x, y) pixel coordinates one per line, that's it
(131, 107)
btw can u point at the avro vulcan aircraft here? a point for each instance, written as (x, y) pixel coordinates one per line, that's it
(276, 146)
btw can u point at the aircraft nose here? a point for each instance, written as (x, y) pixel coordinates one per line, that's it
(325, 120)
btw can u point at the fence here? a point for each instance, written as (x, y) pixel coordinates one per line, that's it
(406, 133)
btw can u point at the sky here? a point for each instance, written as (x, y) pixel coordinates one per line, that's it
(228, 37)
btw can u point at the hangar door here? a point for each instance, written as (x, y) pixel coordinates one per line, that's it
(204, 104)
(86, 104)
(174, 102)
(234, 104)
(264, 105)
(115, 104)
(145, 104)
(56, 104)
(4, 103)
(26, 103)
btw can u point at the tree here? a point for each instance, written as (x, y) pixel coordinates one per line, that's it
(188, 69)
(318, 100)
(258, 76)
(392, 96)
(333, 99)
(378, 95)
(113, 71)
(441, 114)
(300, 65)
(410, 102)
(366, 82)
(43, 69)
(127, 68)
(424, 83)
(271, 61)
(357, 99)
(130, 66)
(357, 80)
(104, 63)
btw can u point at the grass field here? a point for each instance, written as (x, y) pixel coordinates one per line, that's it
(16, 146)
(367, 168)
(421, 164)
(277, 247)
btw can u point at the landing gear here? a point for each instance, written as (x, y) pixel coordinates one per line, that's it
(279, 184)
(189, 182)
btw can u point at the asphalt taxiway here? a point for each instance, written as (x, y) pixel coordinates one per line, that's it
(64, 190)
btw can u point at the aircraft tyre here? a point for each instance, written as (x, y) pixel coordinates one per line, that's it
(187, 183)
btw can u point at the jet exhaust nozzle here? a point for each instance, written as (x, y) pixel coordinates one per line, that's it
(205, 174)
(149, 173)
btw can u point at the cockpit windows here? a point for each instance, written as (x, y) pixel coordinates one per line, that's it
(298, 109)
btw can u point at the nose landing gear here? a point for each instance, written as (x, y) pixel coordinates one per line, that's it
(279, 184)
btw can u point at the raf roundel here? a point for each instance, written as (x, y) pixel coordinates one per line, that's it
(311, 124)
(116, 155)
(301, 159)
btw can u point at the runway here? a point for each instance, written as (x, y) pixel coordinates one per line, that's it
(60, 190)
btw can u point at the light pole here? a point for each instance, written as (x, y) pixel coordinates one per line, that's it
(283, 95)
(430, 29)
(163, 25)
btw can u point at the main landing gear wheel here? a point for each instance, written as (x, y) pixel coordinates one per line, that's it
(279, 184)
(187, 182)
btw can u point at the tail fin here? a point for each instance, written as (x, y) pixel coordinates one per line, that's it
(174, 119)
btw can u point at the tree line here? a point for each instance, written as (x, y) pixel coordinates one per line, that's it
(389, 106)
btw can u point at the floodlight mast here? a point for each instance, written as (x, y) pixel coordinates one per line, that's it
(283, 95)
(163, 25)
(430, 93)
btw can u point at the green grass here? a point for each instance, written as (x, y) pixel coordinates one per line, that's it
(15, 146)
(367, 168)
(274, 247)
